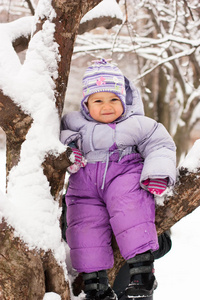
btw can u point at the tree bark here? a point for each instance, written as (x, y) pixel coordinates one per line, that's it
(15, 124)
(27, 274)
(21, 270)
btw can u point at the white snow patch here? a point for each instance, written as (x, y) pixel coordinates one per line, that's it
(181, 264)
(45, 9)
(192, 159)
(106, 8)
(51, 296)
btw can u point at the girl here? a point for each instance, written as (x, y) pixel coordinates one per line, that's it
(122, 158)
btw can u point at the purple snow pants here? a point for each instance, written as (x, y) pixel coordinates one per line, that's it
(122, 206)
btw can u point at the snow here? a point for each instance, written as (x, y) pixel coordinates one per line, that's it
(192, 160)
(51, 296)
(28, 205)
(105, 8)
(177, 272)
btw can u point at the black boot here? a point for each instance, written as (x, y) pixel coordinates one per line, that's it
(142, 279)
(97, 286)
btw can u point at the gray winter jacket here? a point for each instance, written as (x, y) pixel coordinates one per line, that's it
(133, 132)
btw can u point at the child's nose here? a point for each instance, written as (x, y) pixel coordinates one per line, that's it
(106, 105)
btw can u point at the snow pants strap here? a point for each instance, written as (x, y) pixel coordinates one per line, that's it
(96, 281)
(141, 263)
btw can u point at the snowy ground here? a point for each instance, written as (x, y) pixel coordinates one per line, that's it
(177, 273)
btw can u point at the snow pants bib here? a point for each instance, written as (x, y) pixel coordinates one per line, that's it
(121, 207)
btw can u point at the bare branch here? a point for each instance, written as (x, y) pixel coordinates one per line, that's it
(30, 5)
(164, 61)
(188, 7)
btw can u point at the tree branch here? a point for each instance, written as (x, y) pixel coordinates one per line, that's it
(30, 5)
(54, 169)
(13, 120)
(185, 198)
(21, 42)
(187, 5)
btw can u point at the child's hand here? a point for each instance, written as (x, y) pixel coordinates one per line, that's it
(156, 186)
(79, 161)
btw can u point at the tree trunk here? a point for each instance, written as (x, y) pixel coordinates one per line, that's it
(27, 274)
(15, 124)
(21, 270)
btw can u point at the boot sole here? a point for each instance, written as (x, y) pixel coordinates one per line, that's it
(138, 294)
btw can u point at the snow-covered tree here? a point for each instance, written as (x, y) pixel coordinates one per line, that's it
(168, 53)
(32, 94)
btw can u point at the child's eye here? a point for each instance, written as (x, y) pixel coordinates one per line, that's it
(115, 99)
(97, 101)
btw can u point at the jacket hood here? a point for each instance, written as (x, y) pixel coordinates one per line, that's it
(134, 104)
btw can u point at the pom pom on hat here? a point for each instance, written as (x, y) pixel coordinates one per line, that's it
(103, 77)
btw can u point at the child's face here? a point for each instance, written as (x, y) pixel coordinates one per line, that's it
(105, 107)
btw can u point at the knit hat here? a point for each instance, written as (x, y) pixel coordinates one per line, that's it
(103, 77)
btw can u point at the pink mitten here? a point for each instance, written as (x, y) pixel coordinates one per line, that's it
(156, 186)
(79, 161)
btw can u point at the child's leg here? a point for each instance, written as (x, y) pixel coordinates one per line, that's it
(142, 279)
(89, 237)
(132, 215)
(88, 232)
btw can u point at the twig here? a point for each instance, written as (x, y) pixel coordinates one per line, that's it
(190, 11)
(30, 7)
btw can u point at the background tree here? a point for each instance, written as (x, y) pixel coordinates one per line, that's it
(32, 96)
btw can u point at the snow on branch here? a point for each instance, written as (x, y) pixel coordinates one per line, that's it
(18, 28)
(32, 211)
(124, 45)
(107, 13)
(192, 159)
(168, 59)
(142, 47)
(9, 33)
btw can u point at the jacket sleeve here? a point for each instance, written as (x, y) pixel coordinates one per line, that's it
(67, 135)
(158, 150)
